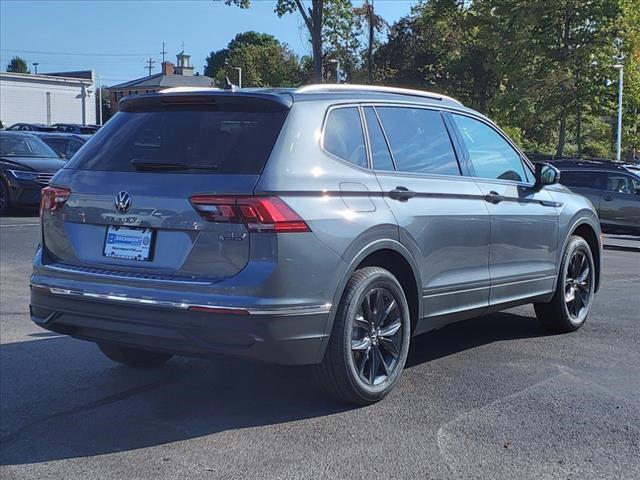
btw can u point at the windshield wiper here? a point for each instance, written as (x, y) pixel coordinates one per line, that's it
(140, 164)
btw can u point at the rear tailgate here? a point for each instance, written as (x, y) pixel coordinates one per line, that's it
(129, 209)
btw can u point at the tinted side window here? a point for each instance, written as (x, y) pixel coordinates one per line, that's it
(582, 179)
(621, 183)
(379, 149)
(490, 155)
(419, 140)
(343, 136)
(58, 144)
(72, 147)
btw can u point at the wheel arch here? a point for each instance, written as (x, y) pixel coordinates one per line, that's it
(586, 229)
(390, 255)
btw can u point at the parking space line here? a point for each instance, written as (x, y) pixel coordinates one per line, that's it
(20, 225)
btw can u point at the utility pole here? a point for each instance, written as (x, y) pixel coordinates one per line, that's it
(620, 67)
(239, 69)
(100, 99)
(150, 63)
(338, 71)
(163, 52)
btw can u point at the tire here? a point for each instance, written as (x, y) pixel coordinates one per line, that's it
(133, 357)
(5, 199)
(367, 352)
(576, 281)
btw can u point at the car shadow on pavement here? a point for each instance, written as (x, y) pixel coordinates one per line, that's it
(470, 334)
(61, 399)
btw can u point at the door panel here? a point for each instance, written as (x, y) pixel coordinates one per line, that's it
(620, 205)
(524, 221)
(448, 235)
(524, 241)
(442, 216)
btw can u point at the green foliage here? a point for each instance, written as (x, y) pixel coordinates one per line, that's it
(17, 65)
(546, 67)
(265, 62)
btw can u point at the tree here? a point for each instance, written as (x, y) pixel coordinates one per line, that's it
(542, 69)
(216, 60)
(265, 62)
(18, 65)
(313, 18)
(375, 24)
(333, 18)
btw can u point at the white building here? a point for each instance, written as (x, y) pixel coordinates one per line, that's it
(67, 97)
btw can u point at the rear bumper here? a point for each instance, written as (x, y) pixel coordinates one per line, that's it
(285, 335)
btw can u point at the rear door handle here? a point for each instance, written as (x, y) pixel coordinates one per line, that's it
(493, 197)
(402, 193)
(607, 198)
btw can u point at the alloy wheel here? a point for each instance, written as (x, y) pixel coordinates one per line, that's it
(577, 286)
(376, 337)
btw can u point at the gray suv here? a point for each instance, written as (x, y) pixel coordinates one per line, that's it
(325, 225)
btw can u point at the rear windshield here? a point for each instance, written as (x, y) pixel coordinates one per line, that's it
(225, 140)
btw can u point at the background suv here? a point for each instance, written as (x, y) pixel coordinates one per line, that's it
(26, 166)
(324, 225)
(613, 189)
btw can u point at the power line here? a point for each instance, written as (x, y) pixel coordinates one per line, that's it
(37, 52)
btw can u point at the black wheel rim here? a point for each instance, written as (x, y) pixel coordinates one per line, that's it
(376, 337)
(2, 197)
(577, 286)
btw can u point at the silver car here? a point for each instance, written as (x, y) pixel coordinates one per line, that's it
(324, 225)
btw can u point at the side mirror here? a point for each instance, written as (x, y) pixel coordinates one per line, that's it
(546, 175)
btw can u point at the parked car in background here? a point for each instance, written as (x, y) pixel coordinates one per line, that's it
(31, 127)
(633, 168)
(75, 128)
(613, 189)
(64, 144)
(324, 225)
(26, 166)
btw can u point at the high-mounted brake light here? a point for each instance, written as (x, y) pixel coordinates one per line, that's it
(259, 214)
(53, 199)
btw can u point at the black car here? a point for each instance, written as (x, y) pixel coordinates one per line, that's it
(31, 127)
(64, 144)
(613, 189)
(75, 128)
(26, 166)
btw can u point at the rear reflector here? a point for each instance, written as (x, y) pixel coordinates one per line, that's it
(259, 214)
(53, 199)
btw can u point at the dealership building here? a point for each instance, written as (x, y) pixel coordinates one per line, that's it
(65, 97)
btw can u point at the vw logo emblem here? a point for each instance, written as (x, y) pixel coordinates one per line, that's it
(123, 202)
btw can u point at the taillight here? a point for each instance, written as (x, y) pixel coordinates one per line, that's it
(53, 199)
(259, 214)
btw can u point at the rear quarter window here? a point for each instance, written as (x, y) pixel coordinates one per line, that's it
(343, 136)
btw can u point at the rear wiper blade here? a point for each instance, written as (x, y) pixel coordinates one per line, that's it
(151, 165)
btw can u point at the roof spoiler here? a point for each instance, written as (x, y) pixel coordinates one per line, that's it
(202, 98)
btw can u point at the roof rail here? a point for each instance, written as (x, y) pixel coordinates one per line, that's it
(346, 87)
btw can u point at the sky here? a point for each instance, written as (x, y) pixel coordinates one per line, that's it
(115, 38)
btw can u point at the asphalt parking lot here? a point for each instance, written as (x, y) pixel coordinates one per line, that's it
(493, 397)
